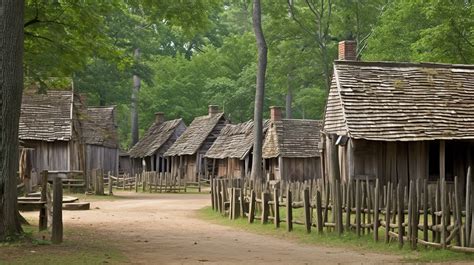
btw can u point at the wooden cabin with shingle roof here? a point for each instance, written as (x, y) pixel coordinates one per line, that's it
(231, 153)
(148, 153)
(101, 139)
(400, 121)
(50, 124)
(291, 149)
(187, 153)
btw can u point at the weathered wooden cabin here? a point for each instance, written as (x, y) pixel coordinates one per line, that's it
(187, 153)
(101, 139)
(148, 153)
(125, 164)
(50, 125)
(291, 149)
(231, 153)
(400, 121)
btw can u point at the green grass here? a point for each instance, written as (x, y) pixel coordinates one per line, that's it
(79, 247)
(347, 240)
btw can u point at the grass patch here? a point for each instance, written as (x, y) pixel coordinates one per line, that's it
(347, 240)
(79, 247)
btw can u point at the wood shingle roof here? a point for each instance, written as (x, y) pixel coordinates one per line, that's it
(384, 101)
(99, 127)
(195, 135)
(155, 137)
(292, 138)
(46, 117)
(234, 141)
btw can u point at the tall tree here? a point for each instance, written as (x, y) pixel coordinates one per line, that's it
(259, 91)
(134, 107)
(11, 86)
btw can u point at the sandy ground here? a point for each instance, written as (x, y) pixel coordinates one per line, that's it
(163, 229)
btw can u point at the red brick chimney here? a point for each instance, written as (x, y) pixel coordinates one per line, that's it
(159, 117)
(213, 109)
(275, 113)
(348, 50)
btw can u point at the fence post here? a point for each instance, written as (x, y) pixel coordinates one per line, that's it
(443, 213)
(387, 212)
(43, 216)
(265, 207)
(307, 210)
(400, 213)
(319, 212)
(276, 207)
(376, 210)
(57, 231)
(110, 183)
(289, 210)
(348, 205)
(338, 208)
(358, 202)
(252, 207)
(468, 209)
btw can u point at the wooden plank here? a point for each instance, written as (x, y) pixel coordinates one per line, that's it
(319, 212)
(265, 207)
(387, 212)
(43, 215)
(400, 214)
(468, 207)
(358, 207)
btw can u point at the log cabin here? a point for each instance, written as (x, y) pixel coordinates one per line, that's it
(148, 153)
(291, 149)
(231, 153)
(399, 121)
(101, 139)
(187, 153)
(50, 126)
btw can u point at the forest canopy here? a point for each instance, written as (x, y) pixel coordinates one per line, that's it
(203, 52)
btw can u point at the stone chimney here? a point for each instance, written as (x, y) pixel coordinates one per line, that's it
(213, 109)
(348, 50)
(275, 113)
(159, 117)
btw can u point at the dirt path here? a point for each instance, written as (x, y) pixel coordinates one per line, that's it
(163, 229)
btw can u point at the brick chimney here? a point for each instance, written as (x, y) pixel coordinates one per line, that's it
(159, 117)
(213, 109)
(348, 50)
(275, 113)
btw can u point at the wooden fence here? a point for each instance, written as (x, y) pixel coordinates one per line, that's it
(148, 181)
(416, 214)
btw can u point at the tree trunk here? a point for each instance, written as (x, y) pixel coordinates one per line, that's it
(134, 107)
(11, 86)
(259, 92)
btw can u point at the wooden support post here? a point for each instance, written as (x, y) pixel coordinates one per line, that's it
(319, 212)
(212, 195)
(307, 210)
(136, 182)
(376, 210)
(276, 207)
(387, 212)
(57, 231)
(358, 207)
(252, 205)
(410, 211)
(43, 216)
(236, 201)
(231, 203)
(289, 210)
(265, 207)
(242, 202)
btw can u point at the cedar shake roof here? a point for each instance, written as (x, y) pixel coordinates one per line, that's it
(195, 135)
(234, 141)
(384, 101)
(292, 138)
(155, 137)
(46, 117)
(99, 127)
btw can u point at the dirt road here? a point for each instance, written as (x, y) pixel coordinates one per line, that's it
(163, 229)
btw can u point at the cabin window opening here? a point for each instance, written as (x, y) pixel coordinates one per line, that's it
(433, 162)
